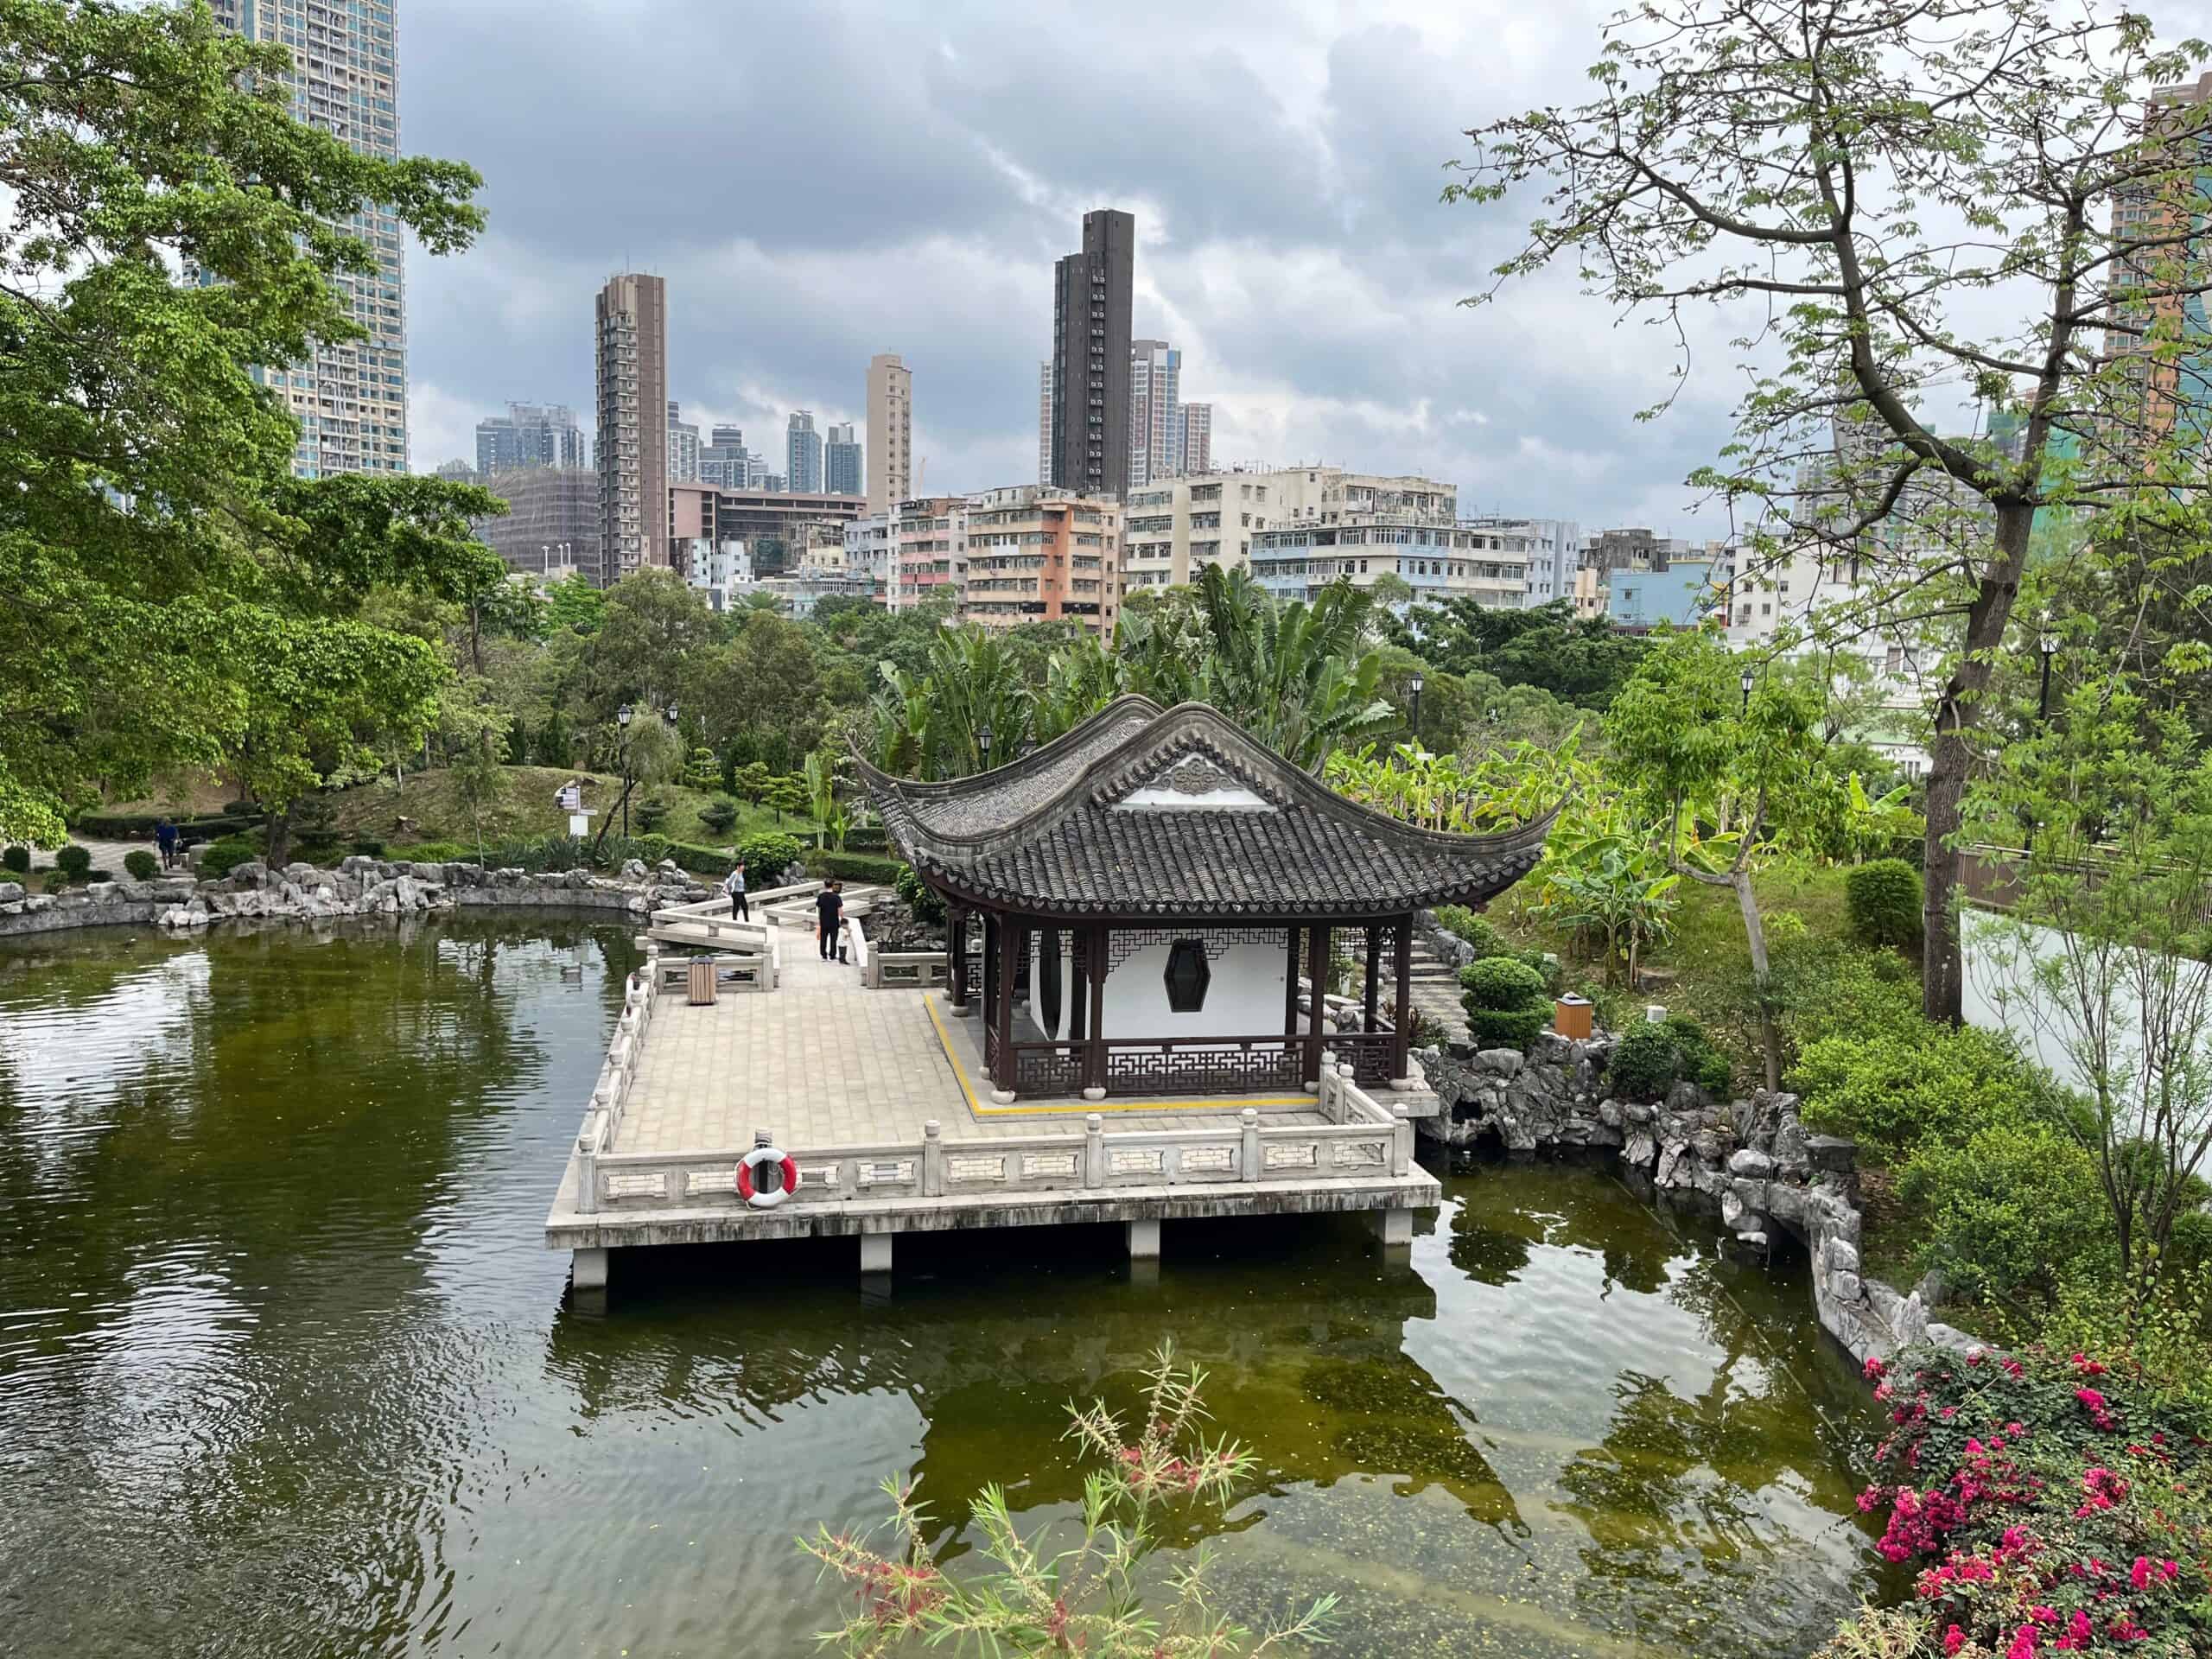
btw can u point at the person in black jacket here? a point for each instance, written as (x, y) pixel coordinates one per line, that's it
(830, 908)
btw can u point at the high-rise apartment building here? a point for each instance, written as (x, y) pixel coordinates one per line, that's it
(1194, 446)
(2165, 221)
(529, 435)
(631, 450)
(890, 431)
(1036, 554)
(841, 461)
(1155, 416)
(1044, 422)
(802, 454)
(683, 446)
(1555, 548)
(1090, 356)
(722, 459)
(551, 523)
(350, 398)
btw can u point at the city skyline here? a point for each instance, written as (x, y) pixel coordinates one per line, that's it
(1291, 243)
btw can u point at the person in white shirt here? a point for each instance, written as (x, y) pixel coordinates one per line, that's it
(733, 885)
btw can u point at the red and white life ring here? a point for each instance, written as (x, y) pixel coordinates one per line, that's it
(765, 1177)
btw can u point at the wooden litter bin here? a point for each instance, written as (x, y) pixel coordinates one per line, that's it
(699, 981)
(1571, 1017)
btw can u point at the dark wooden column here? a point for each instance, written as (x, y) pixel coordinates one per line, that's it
(1290, 987)
(991, 968)
(1401, 1017)
(1374, 973)
(1317, 975)
(1003, 1010)
(1078, 983)
(955, 947)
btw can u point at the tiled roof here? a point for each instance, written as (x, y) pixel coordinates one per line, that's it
(1138, 812)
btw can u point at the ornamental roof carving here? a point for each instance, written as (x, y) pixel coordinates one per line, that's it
(1141, 811)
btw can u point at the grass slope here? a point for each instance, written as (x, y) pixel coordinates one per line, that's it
(526, 808)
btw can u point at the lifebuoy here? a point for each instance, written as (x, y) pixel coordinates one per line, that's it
(782, 1182)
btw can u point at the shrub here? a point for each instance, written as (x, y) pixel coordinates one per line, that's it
(1882, 901)
(218, 857)
(719, 814)
(74, 860)
(1652, 1058)
(1891, 1090)
(920, 898)
(2051, 1500)
(55, 882)
(652, 812)
(2001, 1215)
(855, 867)
(97, 876)
(366, 847)
(1505, 1001)
(17, 859)
(1464, 924)
(435, 852)
(140, 865)
(767, 854)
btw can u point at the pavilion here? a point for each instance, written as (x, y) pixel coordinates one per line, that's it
(1129, 906)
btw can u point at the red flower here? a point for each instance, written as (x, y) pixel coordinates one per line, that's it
(1875, 1370)
(1953, 1639)
(2139, 1574)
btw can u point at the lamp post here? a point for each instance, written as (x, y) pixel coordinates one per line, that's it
(622, 749)
(983, 746)
(1746, 683)
(2047, 643)
(1414, 684)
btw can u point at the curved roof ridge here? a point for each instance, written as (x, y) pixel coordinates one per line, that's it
(1023, 764)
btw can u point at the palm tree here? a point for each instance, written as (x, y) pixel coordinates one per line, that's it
(1299, 677)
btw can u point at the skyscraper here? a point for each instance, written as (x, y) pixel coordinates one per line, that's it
(1194, 446)
(682, 447)
(1155, 425)
(802, 454)
(722, 459)
(890, 431)
(2163, 221)
(841, 461)
(350, 398)
(632, 445)
(1044, 422)
(1090, 356)
(529, 435)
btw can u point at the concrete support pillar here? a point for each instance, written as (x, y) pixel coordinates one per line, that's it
(1144, 1241)
(588, 1270)
(1395, 1227)
(875, 1249)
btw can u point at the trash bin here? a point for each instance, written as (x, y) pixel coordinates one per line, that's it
(700, 983)
(1572, 1017)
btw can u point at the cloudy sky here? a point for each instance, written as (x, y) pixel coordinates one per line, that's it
(819, 182)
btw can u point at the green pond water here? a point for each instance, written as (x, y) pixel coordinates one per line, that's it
(284, 1369)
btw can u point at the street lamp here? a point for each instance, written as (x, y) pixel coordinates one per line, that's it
(1414, 684)
(983, 746)
(2047, 643)
(1745, 681)
(622, 751)
(671, 713)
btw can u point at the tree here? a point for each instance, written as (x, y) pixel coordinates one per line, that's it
(150, 561)
(1576, 661)
(786, 793)
(572, 605)
(472, 726)
(649, 753)
(1725, 777)
(656, 626)
(1903, 199)
(2104, 955)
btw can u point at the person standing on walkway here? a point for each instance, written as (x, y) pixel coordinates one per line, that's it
(165, 839)
(829, 909)
(733, 885)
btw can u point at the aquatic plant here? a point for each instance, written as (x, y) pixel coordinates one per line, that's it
(1084, 1599)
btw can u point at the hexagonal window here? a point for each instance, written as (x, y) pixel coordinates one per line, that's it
(1187, 976)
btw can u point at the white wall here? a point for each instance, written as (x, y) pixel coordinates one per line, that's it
(1244, 997)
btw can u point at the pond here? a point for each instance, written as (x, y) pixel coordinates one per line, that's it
(284, 1369)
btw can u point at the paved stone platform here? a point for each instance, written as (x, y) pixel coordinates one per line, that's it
(824, 1061)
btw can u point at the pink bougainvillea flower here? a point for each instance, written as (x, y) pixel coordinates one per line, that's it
(2139, 1574)
(1953, 1639)
(1874, 1370)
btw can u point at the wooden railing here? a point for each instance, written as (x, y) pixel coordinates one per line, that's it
(1360, 1140)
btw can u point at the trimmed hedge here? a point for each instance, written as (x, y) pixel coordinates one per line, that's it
(1651, 1059)
(140, 865)
(74, 861)
(431, 852)
(855, 867)
(1883, 899)
(217, 859)
(139, 826)
(767, 854)
(1506, 1002)
(16, 859)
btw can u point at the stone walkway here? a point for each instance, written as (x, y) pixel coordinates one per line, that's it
(819, 1062)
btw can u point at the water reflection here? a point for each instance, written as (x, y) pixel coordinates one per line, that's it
(284, 1368)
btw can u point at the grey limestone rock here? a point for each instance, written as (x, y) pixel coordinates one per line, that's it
(1749, 1161)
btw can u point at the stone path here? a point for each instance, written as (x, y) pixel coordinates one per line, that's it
(821, 1061)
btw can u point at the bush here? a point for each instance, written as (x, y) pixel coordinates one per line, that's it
(1652, 1058)
(920, 898)
(719, 814)
(366, 847)
(1505, 1000)
(652, 812)
(139, 826)
(74, 860)
(433, 852)
(1464, 924)
(767, 854)
(2050, 1498)
(219, 857)
(140, 865)
(1882, 901)
(2001, 1215)
(55, 882)
(97, 876)
(1891, 1090)
(16, 859)
(855, 867)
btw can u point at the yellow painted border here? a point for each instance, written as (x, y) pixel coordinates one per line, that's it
(1085, 1108)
